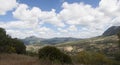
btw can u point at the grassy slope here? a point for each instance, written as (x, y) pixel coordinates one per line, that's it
(14, 59)
(106, 44)
(101, 39)
(95, 42)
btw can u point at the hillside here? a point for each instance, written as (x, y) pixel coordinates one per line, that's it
(98, 40)
(105, 44)
(112, 31)
(102, 43)
(42, 41)
(32, 40)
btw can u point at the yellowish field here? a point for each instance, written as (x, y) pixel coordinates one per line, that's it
(14, 59)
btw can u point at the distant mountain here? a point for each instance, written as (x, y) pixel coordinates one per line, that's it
(106, 43)
(36, 40)
(59, 40)
(112, 31)
(32, 40)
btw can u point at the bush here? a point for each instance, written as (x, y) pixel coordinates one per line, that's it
(54, 55)
(91, 58)
(117, 56)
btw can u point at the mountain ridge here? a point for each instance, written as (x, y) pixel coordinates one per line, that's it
(106, 44)
(59, 40)
(55, 40)
(111, 31)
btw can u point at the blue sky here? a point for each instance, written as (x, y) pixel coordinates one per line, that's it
(58, 18)
(47, 5)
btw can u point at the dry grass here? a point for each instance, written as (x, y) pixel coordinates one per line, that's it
(14, 59)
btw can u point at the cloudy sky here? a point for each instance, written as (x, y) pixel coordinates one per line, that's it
(58, 18)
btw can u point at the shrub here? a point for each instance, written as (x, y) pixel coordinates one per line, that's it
(91, 58)
(54, 55)
(117, 56)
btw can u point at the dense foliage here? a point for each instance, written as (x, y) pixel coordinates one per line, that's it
(91, 58)
(117, 55)
(10, 45)
(55, 55)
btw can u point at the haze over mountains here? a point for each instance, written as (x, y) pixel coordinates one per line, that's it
(52, 41)
(107, 43)
(36, 40)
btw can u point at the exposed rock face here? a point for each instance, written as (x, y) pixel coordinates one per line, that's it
(112, 31)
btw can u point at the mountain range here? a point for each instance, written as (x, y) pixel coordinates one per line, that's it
(52, 41)
(106, 43)
(32, 40)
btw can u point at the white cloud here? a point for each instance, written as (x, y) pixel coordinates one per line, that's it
(72, 28)
(7, 5)
(19, 33)
(21, 29)
(74, 20)
(110, 7)
(17, 25)
(94, 20)
(116, 21)
(23, 13)
(79, 14)
(35, 15)
(62, 30)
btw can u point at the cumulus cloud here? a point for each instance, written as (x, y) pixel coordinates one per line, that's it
(74, 20)
(72, 28)
(35, 15)
(7, 5)
(94, 20)
(110, 7)
(62, 30)
(22, 29)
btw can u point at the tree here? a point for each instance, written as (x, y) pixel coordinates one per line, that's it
(54, 55)
(4, 45)
(19, 46)
(10, 45)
